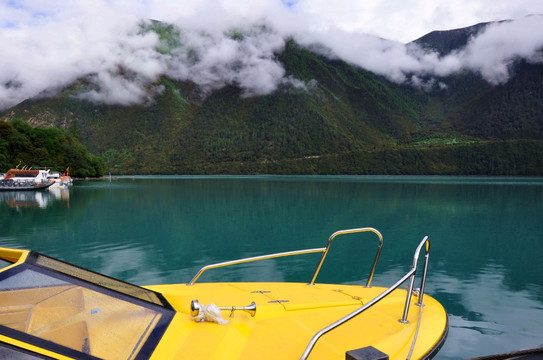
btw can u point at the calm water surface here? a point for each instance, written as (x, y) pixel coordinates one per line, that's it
(486, 263)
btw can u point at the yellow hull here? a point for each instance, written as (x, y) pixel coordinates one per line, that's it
(289, 314)
(55, 309)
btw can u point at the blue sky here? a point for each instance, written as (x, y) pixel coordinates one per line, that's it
(47, 45)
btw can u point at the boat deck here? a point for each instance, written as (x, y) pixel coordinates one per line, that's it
(56, 309)
(289, 314)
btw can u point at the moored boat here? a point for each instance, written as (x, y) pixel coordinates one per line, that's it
(39, 176)
(12, 185)
(60, 181)
(57, 310)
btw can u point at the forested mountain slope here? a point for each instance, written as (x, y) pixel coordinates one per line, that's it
(344, 120)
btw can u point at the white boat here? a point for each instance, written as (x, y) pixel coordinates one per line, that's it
(27, 175)
(39, 177)
(10, 185)
(23, 180)
(61, 181)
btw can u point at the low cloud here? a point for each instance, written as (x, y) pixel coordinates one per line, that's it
(490, 53)
(493, 51)
(245, 57)
(111, 52)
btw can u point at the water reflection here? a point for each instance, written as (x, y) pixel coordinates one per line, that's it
(127, 263)
(34, 199)
(485, 265)
(488, 317)
(485, 315)
(60, 193)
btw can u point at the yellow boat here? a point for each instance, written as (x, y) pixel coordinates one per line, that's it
(51, 309)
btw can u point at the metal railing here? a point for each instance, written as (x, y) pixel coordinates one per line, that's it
(256, 258)
(351, 231)
(410, 274)
(323, 250)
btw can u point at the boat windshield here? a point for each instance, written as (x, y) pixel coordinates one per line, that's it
(78, 313)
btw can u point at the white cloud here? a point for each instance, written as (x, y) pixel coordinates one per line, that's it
(49, 45)
(493, 51)
(407, 20)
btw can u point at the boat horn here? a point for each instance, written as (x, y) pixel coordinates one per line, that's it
(251, 308)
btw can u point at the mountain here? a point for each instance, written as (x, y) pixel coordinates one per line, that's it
(512, 110)
(444, 42)
(346, 121)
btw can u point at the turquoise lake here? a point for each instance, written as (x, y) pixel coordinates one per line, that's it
(486, 260)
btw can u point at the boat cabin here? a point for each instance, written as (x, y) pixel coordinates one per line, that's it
(37, 176)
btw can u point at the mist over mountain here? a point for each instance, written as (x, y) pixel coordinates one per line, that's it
(262, 98)
(121, 57)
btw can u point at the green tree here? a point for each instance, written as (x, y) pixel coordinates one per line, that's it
(23, 145)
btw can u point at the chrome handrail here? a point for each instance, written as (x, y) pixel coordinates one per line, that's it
(411, 273)
(255, 258)
(348, 317)
(323, 250)
(351, 231)
(425, 241)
